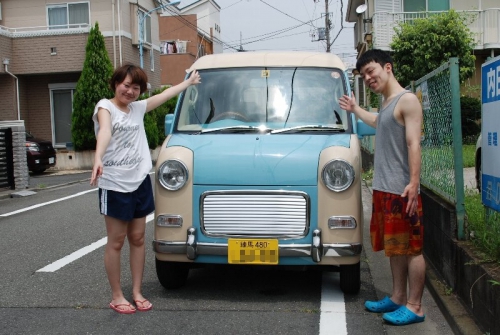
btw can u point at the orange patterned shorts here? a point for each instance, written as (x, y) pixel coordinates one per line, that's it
(391, 229)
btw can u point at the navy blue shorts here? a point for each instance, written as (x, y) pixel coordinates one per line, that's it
(128, 206)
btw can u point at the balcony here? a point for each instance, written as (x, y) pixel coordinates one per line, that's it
(485, 27)
(67, 29)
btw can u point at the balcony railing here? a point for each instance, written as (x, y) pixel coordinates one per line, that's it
(66, 29)
(485, 26)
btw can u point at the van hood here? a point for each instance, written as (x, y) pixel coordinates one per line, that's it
(251, 160)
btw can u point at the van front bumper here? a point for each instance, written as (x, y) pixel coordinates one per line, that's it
(316, 250)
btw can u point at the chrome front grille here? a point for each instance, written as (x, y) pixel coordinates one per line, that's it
(255, 214)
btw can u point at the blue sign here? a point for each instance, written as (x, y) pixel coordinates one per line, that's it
(490, 150)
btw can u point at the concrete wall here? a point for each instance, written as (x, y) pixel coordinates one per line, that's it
(84, 160)
(21, 173)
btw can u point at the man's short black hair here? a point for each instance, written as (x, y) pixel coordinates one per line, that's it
(374, 55)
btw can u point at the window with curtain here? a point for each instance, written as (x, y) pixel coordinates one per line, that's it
(68, 15)
(426, 5)
(57, 17)
(146, 29)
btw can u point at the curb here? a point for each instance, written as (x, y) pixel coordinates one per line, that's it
(460, 321)
(8, 194)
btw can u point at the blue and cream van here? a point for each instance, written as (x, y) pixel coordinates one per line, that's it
(261, 167)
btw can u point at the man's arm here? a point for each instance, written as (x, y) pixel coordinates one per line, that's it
(350, 105)
(412, 116)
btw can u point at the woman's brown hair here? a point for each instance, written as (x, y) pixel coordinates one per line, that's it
(137, 75)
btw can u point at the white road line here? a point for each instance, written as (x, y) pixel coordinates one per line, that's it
(52, 202)
(74, 256)
(80, 253)
(333, 315)
(47, 203)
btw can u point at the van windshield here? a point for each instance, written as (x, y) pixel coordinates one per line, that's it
(271, 98)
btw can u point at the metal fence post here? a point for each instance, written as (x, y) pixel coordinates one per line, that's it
(457, 146)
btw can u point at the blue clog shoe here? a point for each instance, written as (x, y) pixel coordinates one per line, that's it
(382, 306)
(402, 316)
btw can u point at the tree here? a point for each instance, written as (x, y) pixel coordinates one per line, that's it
(92, 86)
(423, 45)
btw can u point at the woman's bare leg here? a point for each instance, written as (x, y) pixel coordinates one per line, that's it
(116, 230)
(135, 235)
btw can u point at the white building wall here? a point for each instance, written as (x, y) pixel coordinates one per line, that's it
(208, 17)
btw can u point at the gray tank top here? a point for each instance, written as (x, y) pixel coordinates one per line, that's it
(391, 169)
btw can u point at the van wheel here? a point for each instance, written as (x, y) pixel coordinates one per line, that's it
(350, 278)
(172, 275)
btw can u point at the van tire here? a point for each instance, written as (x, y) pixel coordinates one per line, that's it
(350, 278)
(172, 275)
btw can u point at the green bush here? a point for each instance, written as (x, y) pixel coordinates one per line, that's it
(154, 121)
(422, 45)
(151, 129)
(469, 155)
(160, 113)
(483, 230)
(471, 113)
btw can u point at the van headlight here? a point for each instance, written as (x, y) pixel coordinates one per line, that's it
(338, 175)
(172, 174)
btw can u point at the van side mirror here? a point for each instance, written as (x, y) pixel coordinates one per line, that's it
(362, 129)
(169, 121)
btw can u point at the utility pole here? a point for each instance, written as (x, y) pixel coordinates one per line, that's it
(327, 26)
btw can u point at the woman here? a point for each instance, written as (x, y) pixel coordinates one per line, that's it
(121, 170)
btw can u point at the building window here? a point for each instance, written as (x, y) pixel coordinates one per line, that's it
(146, 28)
(152, 59)
(68, 15)
(426, 5)
(201, 50)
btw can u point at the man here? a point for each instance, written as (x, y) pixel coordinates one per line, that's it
(396, 223)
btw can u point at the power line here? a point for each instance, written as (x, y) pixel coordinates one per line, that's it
(272, 38)
(272, 35)
(286, 13)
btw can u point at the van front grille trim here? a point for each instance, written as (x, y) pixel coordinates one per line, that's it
(249, 214)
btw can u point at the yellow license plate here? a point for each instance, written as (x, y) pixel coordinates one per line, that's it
(246, 251)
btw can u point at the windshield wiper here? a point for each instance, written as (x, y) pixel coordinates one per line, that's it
(212, 112)
(236, 129)
(310, 127)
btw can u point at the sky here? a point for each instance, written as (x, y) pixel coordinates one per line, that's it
(260, 25)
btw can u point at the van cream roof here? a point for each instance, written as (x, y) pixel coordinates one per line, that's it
(269, 59)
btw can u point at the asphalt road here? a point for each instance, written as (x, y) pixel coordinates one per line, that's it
(57, 221)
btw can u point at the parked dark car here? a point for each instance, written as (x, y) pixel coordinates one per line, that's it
(40, 154)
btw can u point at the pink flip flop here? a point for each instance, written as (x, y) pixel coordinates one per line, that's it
(141, 307)
(118, 308)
